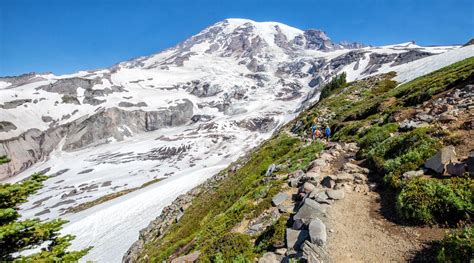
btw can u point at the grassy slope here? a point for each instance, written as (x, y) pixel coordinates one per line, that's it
(366, 119)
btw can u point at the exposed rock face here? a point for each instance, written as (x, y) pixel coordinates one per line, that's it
(68, 86)
(410, 56)
(14, 103)
(6, 126)
(34, 145)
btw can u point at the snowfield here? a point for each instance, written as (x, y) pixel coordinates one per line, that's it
(242, 79)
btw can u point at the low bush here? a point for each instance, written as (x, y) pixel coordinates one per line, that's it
(230, 247)
(457, 246)
(404, 152)
(273, 236)
(429, 200)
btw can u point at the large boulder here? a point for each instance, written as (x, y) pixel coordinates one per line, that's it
(317, 232)
(438, 162)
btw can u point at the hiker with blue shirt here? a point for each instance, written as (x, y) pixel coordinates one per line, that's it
(327, 132)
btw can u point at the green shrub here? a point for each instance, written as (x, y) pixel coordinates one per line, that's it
(273, 236)
(457, 246)
(374, 136)
(300, 157)
(230, 247)
(398, 154)
(429, 200)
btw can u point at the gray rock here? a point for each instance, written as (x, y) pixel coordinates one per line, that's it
(470, 163)
(193, 257)
(344, 177)
(456, 169)
(270, 257)
(270, 170)
(308, 211)
(354, 168)
(411, 174)
(280, 198)
(295, 238)
(438, 162)
(335, 194)
(317, 232)
(307, 188)
(293, 182)
(290, 209)
(322, 198)
(313, 253)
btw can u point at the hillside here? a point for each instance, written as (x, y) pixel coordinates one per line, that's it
(402, 154)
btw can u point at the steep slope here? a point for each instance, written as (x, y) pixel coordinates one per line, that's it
(182, 114)
(260, 206)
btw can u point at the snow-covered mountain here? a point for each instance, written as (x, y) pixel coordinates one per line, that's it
(182, 114)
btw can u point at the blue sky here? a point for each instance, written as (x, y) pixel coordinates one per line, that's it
(64, 36)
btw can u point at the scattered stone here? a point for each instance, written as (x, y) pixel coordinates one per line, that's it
(281, 251)
(335, 194)
(313, 253)
(456, 169)
(328, 182)
(280, 198)
(296, 174)
(270, 170)
(308, 211)
(354, 168)
(411, 174)
(307, 187)
(444, 156)
(322, 198)
(344, 177)
(293, 182)
(187, 258)
(294, 238)
(317, 232)
(286, 208)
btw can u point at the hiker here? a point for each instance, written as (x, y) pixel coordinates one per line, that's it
(327, 132)
(314, 128)
(318, 133)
